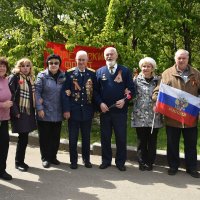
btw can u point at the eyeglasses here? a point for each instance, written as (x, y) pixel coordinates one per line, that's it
(53, 63)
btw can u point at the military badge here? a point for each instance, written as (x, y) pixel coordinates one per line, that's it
(104, 77)
(76, 85)
(89, 90)
(193, 80)
(118, 78)
(68, 92)
(76, 96)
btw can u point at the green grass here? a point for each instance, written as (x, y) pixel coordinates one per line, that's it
(131, 138)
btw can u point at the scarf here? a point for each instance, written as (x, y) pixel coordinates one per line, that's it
(24, 98)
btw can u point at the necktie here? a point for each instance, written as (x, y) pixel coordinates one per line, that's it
(111, 70)
(82, 77)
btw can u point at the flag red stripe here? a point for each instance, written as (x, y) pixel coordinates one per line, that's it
(176, 114)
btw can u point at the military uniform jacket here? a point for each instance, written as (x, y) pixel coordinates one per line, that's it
(78, 94)
(112, 86)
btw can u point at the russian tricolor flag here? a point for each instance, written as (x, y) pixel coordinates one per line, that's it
(178, 105)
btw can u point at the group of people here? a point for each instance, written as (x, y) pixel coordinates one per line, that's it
(80, 92)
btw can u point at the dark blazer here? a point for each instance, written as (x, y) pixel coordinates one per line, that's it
(111, 89)
(26, 123)
(81, 100)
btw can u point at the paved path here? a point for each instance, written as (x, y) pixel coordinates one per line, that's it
(62, 183)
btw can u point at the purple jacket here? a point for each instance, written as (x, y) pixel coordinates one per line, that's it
(5, 95)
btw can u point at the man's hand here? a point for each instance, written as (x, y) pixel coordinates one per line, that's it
(104, 107)
(120, 103)
(66, 115)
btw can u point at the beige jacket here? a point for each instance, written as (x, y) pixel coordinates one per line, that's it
(171, 77)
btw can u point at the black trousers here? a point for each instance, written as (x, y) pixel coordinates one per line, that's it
(4, 145)
(190, 146)
(49, 139)
(146, 145)
(21, 147)
(117, 122)
(85, 129)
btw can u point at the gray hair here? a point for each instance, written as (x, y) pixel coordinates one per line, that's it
(148, 60)
(112, 49)
(81, 52)
(181, 51)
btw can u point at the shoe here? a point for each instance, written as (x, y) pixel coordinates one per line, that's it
(73, 166)
(25, 165)
(104, 166)
(22, 167)
(121, 168)
(142, 167)
(193, 173)
(172, 171)
(149, 167)
(55, 162)
(45, 164)
(88, 165)
(6, 176)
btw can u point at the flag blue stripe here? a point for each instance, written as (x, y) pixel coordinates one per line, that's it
(170, 101)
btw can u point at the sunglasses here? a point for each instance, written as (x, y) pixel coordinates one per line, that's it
(53, 63)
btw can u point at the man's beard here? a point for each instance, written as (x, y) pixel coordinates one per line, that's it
(110, 63)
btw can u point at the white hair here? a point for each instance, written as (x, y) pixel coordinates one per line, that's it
(148, 60)
(81, 53)
(112, 49)
(181, 51)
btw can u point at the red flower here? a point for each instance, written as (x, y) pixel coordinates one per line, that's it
(20, 82)
(128, 96)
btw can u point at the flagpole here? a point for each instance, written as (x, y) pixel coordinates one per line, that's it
(153, 122)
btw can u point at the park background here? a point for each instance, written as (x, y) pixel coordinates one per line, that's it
(137, 28)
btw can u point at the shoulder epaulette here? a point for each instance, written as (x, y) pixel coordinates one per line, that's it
(71, 69)
(91, 69)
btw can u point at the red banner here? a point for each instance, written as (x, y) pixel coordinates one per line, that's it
(96, 57)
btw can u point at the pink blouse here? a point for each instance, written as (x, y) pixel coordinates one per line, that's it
(5, 95)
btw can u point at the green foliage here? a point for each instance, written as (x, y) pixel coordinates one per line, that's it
(137, 28)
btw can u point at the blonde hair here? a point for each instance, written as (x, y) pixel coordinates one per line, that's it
(16, 69)
(148, 60)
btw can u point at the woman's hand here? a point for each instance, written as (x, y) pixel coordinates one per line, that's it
(7, 104)
(41, 114)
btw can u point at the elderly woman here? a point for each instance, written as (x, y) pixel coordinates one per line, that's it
(22, 112)
(5, 104)
(49, 111)
(143, 114)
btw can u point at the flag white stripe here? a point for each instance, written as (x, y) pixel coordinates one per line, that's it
(176, 93)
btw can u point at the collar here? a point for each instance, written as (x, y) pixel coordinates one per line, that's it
(80, 70)
(180, 71)
(114, 67)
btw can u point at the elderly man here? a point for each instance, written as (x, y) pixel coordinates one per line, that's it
(114, 81)
(183, 77)
(78, 107)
